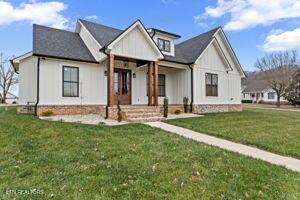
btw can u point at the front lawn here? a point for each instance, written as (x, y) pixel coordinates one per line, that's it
(75, 161)
(277, 131)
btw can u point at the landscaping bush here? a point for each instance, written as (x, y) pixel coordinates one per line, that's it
(166, 107)
(185, 104)
(246, 101)
(47, 113)
(177, 112)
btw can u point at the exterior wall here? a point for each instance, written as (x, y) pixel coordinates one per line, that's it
(177, 83)
(229, 84)
(92, 83)
(162, 36)
(135, 45)
(28, 80)
(91, 43)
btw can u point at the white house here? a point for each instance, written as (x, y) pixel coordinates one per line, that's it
(89, 70)
(257, 90)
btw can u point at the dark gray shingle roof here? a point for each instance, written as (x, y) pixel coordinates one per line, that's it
(59, 43)
(192, 48)
(103, 34)
(186, 52)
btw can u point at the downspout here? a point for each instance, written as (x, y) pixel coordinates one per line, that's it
(108, 83)
(192, 87)
(37, 88)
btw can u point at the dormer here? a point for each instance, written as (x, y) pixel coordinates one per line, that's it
(164, 40)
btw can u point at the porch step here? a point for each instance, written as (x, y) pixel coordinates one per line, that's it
(141, 113)
(148, 119)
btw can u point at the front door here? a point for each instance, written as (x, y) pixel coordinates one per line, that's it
(122, 86)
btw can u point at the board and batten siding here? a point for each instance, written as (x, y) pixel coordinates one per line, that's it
(162, 36)
(135, 45)
(92, 83)
(28, 80)
(229, 84)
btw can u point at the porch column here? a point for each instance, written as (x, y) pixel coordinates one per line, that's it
(155, 72)
(111, 80)
(149, 74)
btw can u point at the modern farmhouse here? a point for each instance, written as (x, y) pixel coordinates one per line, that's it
(89, 70)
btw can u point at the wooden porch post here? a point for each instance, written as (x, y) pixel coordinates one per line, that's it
(111, 80)
(155, 72)
(149, 74)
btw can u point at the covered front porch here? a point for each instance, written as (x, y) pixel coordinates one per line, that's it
(140, 87)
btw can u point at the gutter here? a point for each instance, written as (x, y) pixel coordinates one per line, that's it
(38, 87)
(192, 87)
(108, 82)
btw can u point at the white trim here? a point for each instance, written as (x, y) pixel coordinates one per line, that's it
(231, 52)
(172, 65)
(88, 33)
(137, 23)
(219, 50)
(18, 59)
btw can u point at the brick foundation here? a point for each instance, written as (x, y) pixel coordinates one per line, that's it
(213, 108)
(73, 109)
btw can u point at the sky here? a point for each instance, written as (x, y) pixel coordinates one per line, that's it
(253, 27)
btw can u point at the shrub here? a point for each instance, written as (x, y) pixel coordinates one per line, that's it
(166, 107)
(47, 112)
(177, 112)
(14, 102)
(246, 101)
(119, 113)
(185, 104)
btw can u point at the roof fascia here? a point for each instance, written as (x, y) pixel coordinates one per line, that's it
(224, 37)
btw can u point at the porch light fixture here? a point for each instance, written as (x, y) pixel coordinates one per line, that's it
(133, 75)
(105, 73)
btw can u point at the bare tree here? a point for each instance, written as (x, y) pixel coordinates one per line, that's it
(278, 69)
(8, 77)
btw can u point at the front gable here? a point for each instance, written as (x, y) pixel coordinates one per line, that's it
(223, 50)
(136, 43)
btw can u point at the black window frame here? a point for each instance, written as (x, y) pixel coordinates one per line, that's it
(211, 85)
(162, 85)
(158, 85)
(164, 41)
(63, 81)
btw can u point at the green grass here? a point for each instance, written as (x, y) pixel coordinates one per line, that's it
(75, 161)
(276, 131)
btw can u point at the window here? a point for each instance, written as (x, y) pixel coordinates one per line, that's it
(211, 81)
(161, 85)
(70, 81)
(164, 45)
(271, 95)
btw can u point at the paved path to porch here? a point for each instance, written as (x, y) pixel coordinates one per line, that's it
(288, 162)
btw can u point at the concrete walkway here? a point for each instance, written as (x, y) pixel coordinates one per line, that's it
(288, 162)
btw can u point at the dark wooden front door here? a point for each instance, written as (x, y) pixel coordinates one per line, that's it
(122, 86)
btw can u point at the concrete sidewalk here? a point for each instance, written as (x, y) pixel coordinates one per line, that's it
(288, 162)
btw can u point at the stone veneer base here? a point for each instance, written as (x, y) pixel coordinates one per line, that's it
(213, 108)
(73, 109)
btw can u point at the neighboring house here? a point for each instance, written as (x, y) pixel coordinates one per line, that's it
(257, 90)
(89, 70)
(10, 98)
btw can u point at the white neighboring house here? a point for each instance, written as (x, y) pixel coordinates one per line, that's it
(258, 91)
(89, 70)
(11, 98)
